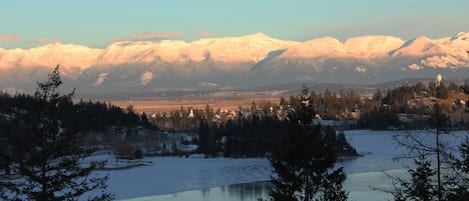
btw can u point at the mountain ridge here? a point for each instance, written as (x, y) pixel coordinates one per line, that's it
(258, 44)
(238, 62)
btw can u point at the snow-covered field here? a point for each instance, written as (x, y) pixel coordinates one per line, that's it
(174, 178)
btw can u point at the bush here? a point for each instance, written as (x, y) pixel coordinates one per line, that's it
(123, 149)
(138, 154)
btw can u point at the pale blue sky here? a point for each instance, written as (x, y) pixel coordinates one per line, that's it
(96, 23)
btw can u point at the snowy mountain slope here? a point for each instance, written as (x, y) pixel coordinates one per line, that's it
(237, 62)
(250, 48)
(68, 55)
(366, 47)
(326, 46)
(372, 46)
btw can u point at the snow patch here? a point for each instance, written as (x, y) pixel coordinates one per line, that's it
(208, 84)
(11, 90)
(305, 78)
(447, 61)
(101, 78)
(146, 78)
(415, 67)
(360, 69)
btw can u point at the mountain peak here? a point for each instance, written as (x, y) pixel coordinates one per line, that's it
(258, 35)
(370, 46)
(316, 47)
(417, 47)
(461, 36)
(248, 59)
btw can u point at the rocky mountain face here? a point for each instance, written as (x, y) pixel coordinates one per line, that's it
(236, 62)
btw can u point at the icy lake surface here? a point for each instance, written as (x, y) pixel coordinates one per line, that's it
(175, 179)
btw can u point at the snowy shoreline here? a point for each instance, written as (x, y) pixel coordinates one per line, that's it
(175, 175)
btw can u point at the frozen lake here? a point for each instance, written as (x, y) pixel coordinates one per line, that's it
(358, 185)
(174, 179)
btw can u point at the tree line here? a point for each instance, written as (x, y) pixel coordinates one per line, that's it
(257, 133)
(419, 100)
(379, 112)
(17, 111)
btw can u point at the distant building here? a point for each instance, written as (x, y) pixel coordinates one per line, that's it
(191, 114)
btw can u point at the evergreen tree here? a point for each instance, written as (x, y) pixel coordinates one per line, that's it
(207, 139)
(145, 121)
(453, 86)
(303, 159)
(283, 101)
(466, 86)
(51, 162)
(424, 183)
(345, 148)
(458, 183)
(421, 185)
(378, 96)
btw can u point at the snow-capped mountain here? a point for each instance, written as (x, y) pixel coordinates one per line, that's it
(71, 56)
(236, 62)
(250, 48)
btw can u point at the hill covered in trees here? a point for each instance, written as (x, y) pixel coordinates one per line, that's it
(82, 116)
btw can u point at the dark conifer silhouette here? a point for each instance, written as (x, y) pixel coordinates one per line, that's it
(303, 160)
(50, 159)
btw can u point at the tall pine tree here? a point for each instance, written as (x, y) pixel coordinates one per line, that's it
(458, 182)
(420, 186)
(51, 165)
(304, 158)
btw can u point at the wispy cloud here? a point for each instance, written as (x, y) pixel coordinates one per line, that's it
(205, 33)
(136, 36)
(149, 36)
(169, 35)
(41, 40)
(6, 37)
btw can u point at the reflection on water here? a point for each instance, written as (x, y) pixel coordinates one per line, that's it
(357, 184)
(237, 192)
